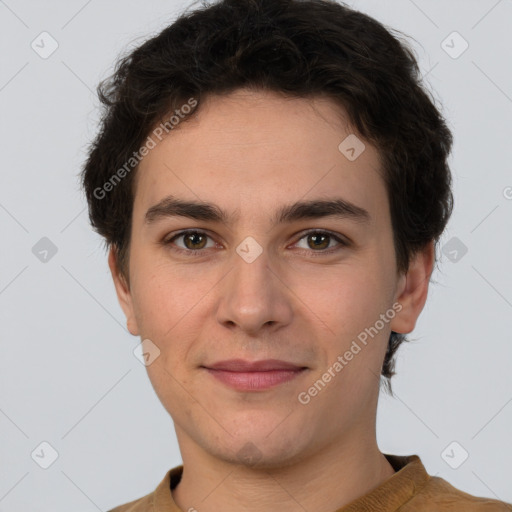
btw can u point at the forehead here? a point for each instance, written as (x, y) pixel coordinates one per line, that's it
(259, 148)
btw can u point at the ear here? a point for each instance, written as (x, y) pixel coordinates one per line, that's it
(123, 293)
(412, 290)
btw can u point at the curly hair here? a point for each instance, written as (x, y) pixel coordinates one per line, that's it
(299, 48)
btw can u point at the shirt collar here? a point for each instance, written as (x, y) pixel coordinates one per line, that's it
(391, 494)
(409, 478)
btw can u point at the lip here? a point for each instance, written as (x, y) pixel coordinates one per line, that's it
(244, 375)
(241, 365)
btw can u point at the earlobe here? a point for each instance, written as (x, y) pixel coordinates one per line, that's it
(413, 290)
(123, 293)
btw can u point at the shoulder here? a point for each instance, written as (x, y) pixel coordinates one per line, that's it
(439, 495)
(159, 499)
(144, 504)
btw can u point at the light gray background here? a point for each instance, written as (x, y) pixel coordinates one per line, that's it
(68, 375)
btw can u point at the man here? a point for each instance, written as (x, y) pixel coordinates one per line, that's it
(272, 181)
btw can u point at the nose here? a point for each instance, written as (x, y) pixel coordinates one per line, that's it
(253, 296)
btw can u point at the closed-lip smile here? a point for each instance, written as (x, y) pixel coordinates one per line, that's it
(260, 375)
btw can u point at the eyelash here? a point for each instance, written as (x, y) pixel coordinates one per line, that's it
(196, 252)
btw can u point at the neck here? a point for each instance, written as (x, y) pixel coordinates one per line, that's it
(324, 482)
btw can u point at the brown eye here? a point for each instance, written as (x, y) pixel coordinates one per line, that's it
(193, 242)
(319, 241)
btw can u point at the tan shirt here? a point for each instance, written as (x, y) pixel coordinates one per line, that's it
(410, 489)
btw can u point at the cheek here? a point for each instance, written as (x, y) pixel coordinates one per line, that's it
(162, 295)
(352, 308)
(169, 305)
(352, 297)
(165, 315)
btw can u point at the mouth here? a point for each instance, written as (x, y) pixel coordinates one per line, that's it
(256, 375)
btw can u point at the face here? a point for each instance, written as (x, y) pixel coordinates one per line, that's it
(291, 289)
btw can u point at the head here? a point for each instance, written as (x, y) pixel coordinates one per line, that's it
(247, 108)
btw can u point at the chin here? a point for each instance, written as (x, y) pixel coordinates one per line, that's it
(257, 457)
(265, 449)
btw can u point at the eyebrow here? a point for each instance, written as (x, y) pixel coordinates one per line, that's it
(171, 206)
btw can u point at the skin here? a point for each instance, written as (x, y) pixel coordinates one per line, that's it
(250, 152)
